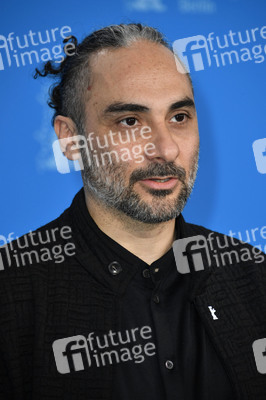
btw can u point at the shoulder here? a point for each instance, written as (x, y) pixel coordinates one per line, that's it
(41, 246)
(220, 251)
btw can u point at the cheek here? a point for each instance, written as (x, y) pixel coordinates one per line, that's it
(189, 144)
(189, 153)
(193, 142)
(194, 160)
(194, 150)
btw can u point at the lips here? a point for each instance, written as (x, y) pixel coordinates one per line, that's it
(160, 182)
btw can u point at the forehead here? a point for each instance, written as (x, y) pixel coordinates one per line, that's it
(141, 72)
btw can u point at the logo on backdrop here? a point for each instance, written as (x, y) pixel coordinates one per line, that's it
(197, 6)
(147, 5)
(200, 52)
(183, 6)
(22, 50)
(259, 150)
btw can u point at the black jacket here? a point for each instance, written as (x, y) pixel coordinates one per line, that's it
(44, 298)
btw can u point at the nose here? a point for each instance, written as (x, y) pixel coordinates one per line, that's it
(166, 146)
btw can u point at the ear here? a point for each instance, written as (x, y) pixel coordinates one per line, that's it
(66, 131)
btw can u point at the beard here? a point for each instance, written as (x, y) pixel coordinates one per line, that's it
(108, 185)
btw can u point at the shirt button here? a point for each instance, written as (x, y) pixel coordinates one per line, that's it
(156, 299)
(114, 268)
(146, 273)
(169, 364)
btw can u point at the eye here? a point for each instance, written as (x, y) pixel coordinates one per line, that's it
(130, 121)
(180, 118)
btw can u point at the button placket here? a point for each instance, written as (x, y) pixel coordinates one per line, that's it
(146, 273)
(169, 364)
(114, 268)
(156, 299)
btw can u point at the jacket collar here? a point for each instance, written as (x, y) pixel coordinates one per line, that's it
(89, 237)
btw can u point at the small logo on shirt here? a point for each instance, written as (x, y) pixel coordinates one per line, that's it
(213, 311)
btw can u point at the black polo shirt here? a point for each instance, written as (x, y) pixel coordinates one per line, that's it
(185, 365)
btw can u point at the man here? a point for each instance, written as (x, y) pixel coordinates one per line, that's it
(121, 315)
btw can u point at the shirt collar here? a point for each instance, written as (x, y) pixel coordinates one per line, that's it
(95, 238)
(95, 244)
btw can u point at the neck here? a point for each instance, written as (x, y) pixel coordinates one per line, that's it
(148, 242)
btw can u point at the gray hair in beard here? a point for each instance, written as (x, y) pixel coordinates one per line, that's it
(107, 184)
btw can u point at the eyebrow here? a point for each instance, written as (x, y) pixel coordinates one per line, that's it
(186, 102)
(119, 107)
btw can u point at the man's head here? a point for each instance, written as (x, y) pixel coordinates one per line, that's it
(121, 78)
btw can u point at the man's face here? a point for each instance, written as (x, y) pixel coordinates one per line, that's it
(131, 88)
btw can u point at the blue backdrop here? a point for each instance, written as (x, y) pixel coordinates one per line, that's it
(223, 43)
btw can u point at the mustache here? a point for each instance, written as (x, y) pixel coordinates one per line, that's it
(158, 170)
